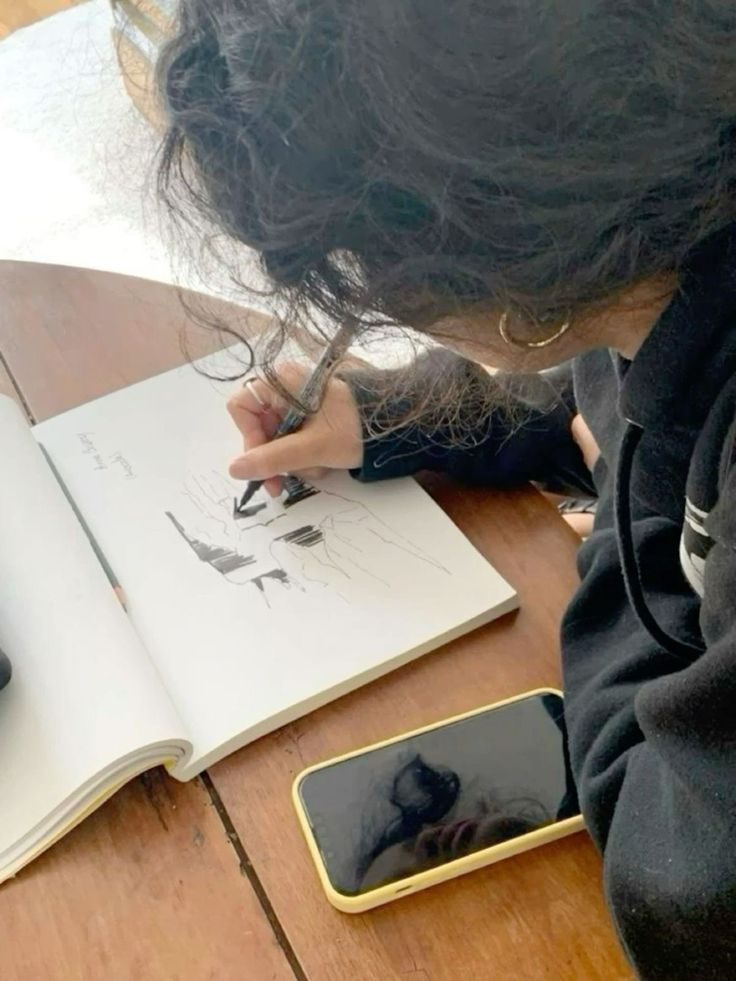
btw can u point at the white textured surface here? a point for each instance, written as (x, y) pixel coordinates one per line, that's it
(76, 168)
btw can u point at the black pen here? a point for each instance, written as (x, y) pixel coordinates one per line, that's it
(309, 397)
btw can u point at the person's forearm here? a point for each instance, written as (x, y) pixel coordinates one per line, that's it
(496, 430)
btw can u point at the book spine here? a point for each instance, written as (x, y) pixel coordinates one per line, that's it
(99, 554)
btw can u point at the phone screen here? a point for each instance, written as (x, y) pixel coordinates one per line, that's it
(422, 801)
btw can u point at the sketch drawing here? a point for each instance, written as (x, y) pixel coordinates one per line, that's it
(311, 540)
(225, 560)
(296, 490)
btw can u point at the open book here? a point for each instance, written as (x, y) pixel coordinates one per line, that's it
(234, 625)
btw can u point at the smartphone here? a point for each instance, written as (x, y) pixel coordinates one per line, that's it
(429, 805)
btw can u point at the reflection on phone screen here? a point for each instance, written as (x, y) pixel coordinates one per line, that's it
(426, 800)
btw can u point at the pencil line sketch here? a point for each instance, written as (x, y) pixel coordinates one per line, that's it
(297, 490)
(225, 560)
(306, 536)
(313, 539)
(239, 514)
(278, 576)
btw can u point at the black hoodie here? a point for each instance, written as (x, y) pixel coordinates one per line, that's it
(649, 639)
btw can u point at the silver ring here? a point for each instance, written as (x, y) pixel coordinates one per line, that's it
(248, 384)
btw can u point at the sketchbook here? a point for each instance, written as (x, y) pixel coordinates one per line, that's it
(235, 624)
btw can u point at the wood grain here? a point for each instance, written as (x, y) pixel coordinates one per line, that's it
(146, 888)
(68, 335)
(149, 887)
(131, 329)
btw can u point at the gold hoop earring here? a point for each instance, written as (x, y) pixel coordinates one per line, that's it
(508, 339)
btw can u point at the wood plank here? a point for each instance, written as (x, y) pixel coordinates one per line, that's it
(149, 886)
(19, 13)
(130, 329)
(540, 915)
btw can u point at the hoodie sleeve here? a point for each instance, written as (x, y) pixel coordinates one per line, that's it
(653, 746)
(524, 436)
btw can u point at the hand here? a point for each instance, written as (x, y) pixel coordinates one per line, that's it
(583, 523)
(330, 439)
(585, 440)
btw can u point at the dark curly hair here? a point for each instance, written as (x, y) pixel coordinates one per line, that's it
(402, 160)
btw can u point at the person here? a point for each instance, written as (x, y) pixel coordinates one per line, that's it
(533, 185)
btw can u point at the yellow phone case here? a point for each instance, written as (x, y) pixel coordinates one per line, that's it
(450, 870)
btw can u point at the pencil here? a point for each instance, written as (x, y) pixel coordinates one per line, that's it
(309, 396)
(117, 588)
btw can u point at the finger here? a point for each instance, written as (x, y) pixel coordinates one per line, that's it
(257, 408)
(312, 473)
(299, 451)
(258, 429)
(463, 837)
(581, 523)
(261, 394)
(425, 844)
(256, 420)
(446, 837)
(585, 440)
(430, 847)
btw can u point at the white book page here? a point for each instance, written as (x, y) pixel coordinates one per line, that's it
(255, 620)
(84, 693)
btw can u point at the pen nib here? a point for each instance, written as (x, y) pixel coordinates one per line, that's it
(250, 490)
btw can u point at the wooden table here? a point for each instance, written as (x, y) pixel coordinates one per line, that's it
(211, 879)
(19, 13)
